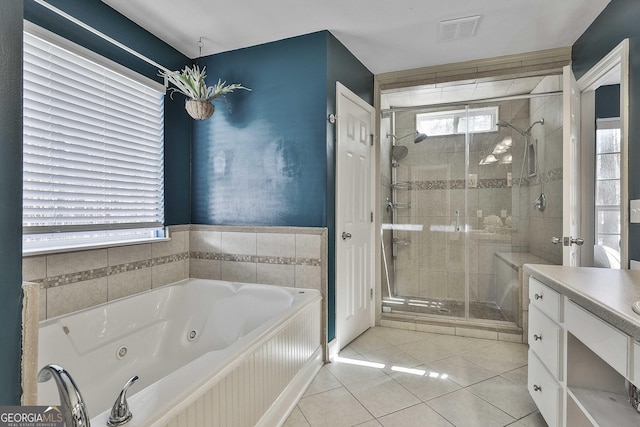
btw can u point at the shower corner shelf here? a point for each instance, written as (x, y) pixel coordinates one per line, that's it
(401, 185)
(401, 205)
(401, 242)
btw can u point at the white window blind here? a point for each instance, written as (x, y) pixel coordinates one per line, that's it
(93, 150)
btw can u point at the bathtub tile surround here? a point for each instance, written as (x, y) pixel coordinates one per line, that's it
(285, 256)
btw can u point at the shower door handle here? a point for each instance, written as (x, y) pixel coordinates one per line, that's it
(568, 241)
(573, 241)
(345, 235)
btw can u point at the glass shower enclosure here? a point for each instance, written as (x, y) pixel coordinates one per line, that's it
(459, 204)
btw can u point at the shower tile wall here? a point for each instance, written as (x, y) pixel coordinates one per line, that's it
(547, 224)
(284, 256)
(433, 264)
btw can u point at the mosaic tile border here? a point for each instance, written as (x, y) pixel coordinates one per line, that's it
(547, 176)
(258, 259)
(459, 184)
(98, 273)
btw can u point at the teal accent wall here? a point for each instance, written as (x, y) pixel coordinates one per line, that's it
(11, 196)
(98, 15)
(608, 101)
(269, 159)
(260, 160)
(618, 21)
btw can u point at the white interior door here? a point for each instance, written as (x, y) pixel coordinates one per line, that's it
(571, 240)
(354, 216)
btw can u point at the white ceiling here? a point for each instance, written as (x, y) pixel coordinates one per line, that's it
(384, 35)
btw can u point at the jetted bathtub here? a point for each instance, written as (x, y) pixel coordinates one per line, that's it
(207, 353)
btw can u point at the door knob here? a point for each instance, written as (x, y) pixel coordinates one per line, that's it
(345, 235)
(556, 240)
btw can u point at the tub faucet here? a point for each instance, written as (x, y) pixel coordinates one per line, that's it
(74, 411)
(120, 413)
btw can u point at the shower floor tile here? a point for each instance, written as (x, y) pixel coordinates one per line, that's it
(452, 389)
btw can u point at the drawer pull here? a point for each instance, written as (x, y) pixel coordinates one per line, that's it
(537, 337)
(538, 296)
(537, 388)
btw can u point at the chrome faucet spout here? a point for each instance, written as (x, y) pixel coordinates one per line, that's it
(74, 410)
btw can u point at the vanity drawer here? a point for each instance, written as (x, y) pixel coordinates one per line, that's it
(545, 339)
(544, 298)
(544, 390)
(609, 343)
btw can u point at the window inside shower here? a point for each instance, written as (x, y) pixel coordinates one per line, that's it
(452, 122)
(458, 216)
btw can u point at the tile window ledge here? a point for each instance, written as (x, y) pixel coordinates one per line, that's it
(65, 249)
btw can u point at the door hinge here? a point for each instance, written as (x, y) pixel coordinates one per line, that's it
(371, 138)
(371, 216)
(371, 293)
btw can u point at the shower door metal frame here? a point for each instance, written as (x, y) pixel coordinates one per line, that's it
(463, 225)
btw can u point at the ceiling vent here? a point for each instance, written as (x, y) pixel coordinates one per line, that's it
(460, 28)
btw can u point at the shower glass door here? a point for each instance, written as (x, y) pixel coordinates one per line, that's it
(430, 244)
(459, 202)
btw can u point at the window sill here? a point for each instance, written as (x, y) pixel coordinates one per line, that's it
(65, 249)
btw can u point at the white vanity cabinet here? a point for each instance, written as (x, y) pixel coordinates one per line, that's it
(636, 363)
(579, 365)
(545, 351)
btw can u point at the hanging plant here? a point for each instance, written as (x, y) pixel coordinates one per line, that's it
(190, 82)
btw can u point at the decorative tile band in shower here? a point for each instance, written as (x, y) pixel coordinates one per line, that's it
(547, 176)
(455, 184)
(459, 184)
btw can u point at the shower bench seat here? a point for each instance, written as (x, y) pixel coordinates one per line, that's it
(511, 288)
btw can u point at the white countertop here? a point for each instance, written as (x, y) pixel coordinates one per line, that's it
(608, 294)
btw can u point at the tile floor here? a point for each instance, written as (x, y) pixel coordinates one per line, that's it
(452, 381)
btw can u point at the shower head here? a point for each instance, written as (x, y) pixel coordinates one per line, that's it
(527, 131)
(541, 121)
(419, 137)
(399, 152)
(504, 124)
